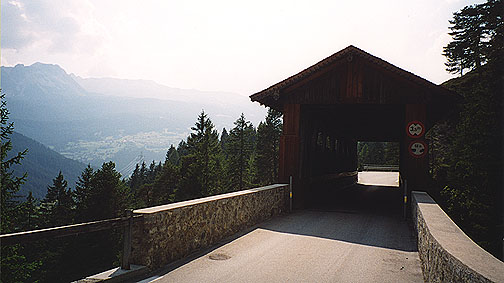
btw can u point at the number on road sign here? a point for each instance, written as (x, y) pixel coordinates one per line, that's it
(418, 149)
(415, 129)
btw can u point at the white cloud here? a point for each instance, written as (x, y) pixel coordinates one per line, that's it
(55, 25)
(221, 45)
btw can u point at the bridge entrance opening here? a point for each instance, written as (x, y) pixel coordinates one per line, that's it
(348, 97)
(378, 163)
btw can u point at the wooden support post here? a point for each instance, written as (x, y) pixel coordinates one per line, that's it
(414, 151)
(125, 264)
(289, 151)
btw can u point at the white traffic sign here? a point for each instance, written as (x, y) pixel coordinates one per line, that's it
(415, 129)
(417, 149)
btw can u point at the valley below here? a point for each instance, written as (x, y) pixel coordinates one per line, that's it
(96, 120)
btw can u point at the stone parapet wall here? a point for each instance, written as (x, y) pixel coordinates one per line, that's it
(170, 232)
(446, 252)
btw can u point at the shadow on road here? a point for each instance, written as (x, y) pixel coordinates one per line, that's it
(358, 198)
(361, 214)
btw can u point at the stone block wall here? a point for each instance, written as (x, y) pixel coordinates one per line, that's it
(446, 252)
(173, 231)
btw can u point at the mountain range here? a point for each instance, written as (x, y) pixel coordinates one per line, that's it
(95, 120)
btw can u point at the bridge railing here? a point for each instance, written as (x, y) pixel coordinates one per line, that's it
(125, 222)
(379, 167)
(173, 231)
(447, 254)
(155, 236)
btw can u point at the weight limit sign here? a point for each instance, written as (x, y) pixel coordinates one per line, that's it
(415, 129)
(417, 149)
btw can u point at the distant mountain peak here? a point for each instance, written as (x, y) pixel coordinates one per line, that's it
(39, 81)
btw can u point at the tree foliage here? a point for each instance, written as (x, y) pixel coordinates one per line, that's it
(268, 141)
(9, 183)
(200, 168)
(240, 148)
(477, 37)
(14, 265)
(377, 153)
(58, 204)
(466, 149)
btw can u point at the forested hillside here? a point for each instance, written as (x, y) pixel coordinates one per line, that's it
(42, 165)
(466, 149)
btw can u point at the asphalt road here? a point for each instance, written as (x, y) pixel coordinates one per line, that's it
(359, 236)
(379, 178)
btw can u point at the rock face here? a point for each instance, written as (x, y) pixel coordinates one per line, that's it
(447, 253)
(173, 231)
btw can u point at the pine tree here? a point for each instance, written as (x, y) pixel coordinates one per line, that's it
(134, 180)
(165, 185)
(268, 140)
(14, 265)
(182, 149)
(9, 183)
(172, 156)
(30, 213)
(58, 203)
(110, 195)
(240, 148)
(199, 167)
(83, 191)
(477, 32)
(100, 194)
(223, 142)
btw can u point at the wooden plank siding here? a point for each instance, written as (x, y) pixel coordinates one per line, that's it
(355, 82)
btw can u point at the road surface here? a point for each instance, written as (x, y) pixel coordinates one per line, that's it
(360, 238)
(379, 178)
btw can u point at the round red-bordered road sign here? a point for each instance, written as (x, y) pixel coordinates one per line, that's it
(417, 149)
(415, 129)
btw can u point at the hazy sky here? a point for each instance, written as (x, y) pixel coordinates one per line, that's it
(237, 46)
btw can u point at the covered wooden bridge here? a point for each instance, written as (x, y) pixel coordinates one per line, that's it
(348, 97)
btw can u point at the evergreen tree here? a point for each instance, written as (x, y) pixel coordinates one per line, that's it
(268, 140)
(58, 203)
(135, 180)
(143, 173)
(199, 167)
(14, 265)
(9, 183)
(57, 209)
(83, 191)
(223, 142)
(172, 156)
(477, 32)
(182, 149)
(110, 195)
(240, 148)
(165, 185)
(30, 213)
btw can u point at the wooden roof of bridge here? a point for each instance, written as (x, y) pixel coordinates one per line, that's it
(346, 69)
